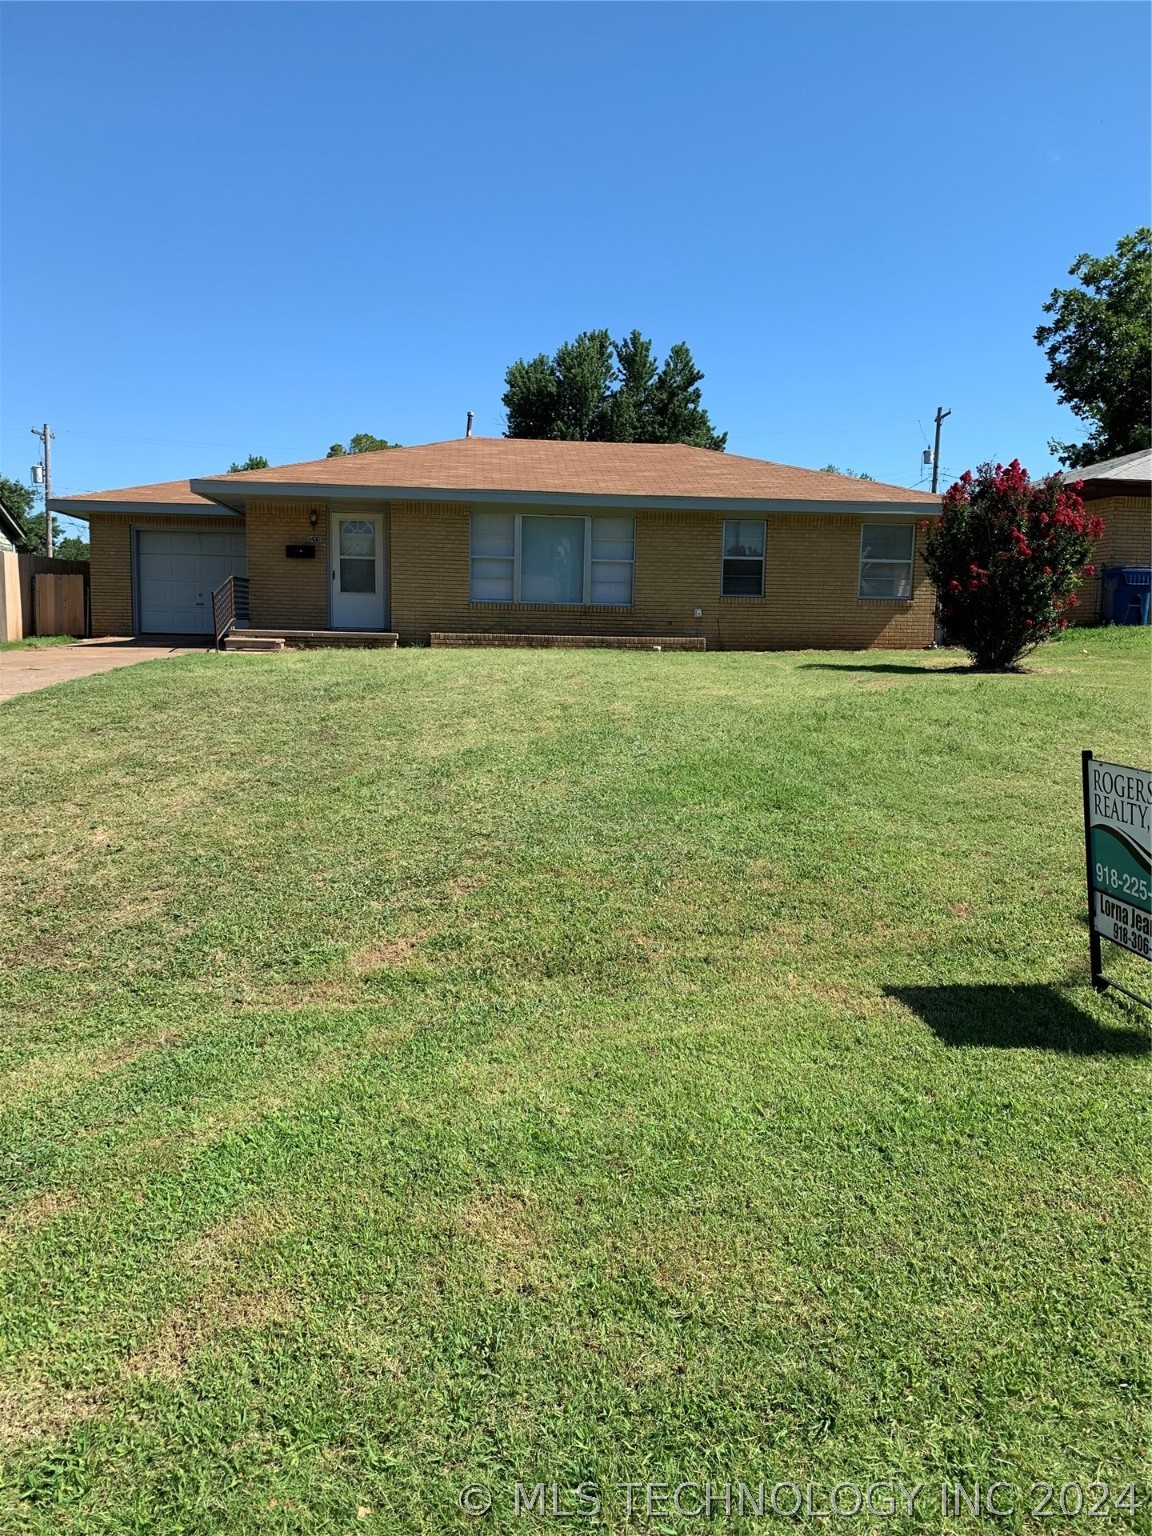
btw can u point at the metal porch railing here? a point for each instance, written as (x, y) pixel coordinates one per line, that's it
(229, 607)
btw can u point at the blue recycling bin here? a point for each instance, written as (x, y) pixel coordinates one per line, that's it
(1127, 590)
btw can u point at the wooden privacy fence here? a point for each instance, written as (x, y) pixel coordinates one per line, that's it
(19, 575)
(59, 604)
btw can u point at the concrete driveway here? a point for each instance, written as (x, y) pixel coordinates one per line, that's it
(25, 671)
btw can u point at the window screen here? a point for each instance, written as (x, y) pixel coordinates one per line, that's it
(552, 560)
(612, 561)
(743, 559)
(493, 556)
(886, 552)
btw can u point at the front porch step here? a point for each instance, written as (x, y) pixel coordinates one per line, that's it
(245, 640)
(376, 638)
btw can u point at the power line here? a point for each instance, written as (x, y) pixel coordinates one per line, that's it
(166, 442)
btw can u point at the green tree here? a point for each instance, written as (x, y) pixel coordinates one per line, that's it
(20, 500)
(849, 474)
(71, 547)
(567, 397)
(595, 389)
(1099, 349)
(678, 416)
(634, 402)
(360, 442)
(253, 461)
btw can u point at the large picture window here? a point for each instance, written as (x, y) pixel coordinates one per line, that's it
(743, 559)
(523, 558)
(886, 553)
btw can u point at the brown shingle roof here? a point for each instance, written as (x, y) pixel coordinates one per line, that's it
(1131, 466)
(166, 493)
(524, 466)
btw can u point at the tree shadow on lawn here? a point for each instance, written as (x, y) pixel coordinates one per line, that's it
(891, 666)
(1035, 1017)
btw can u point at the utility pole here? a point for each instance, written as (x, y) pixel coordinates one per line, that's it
(940, 415)
(46, 437)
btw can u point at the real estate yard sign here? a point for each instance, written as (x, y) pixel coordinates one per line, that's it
(1118, 848)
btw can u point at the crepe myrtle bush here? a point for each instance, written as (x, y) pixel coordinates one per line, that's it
(1006, 556)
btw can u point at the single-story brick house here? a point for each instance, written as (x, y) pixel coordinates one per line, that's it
(510, 537)
(1119, 491)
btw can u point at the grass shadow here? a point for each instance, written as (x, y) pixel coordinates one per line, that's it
(927, 670)
(1023, 1018)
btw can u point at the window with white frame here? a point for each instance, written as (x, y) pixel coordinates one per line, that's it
(525, 558)
(886, 554)
(743, 574)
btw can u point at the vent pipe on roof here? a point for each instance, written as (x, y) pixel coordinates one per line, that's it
(468, 428)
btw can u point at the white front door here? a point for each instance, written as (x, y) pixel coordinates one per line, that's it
(356, 551)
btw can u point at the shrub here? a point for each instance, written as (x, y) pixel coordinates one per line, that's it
(1006, 557)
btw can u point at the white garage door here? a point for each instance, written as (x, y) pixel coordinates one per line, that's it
(177, 573)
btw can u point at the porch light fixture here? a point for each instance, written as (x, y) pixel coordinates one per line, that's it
(313, 517)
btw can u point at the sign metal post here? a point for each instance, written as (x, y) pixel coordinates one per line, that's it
(1094, 946)
(1117, 863)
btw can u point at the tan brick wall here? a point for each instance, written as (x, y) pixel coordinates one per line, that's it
(812, 571)
(283, 593)
(810, 599)
(110, 541)
(1127, 541)
(573, 642)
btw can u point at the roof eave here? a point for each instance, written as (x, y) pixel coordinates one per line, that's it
(1097, 490)
(236, 497)
(9, 527)
(82, 509)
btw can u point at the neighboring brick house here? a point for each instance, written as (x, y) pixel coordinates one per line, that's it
(11, 533)
(1119, 491)
(510, 536)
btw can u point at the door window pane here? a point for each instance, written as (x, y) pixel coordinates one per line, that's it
(357, 575)
(358, 538)
(551, 559)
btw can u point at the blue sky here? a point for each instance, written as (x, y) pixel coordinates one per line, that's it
(262, 227)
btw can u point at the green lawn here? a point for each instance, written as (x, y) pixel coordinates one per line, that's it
(36, 642)
(435, 1067)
